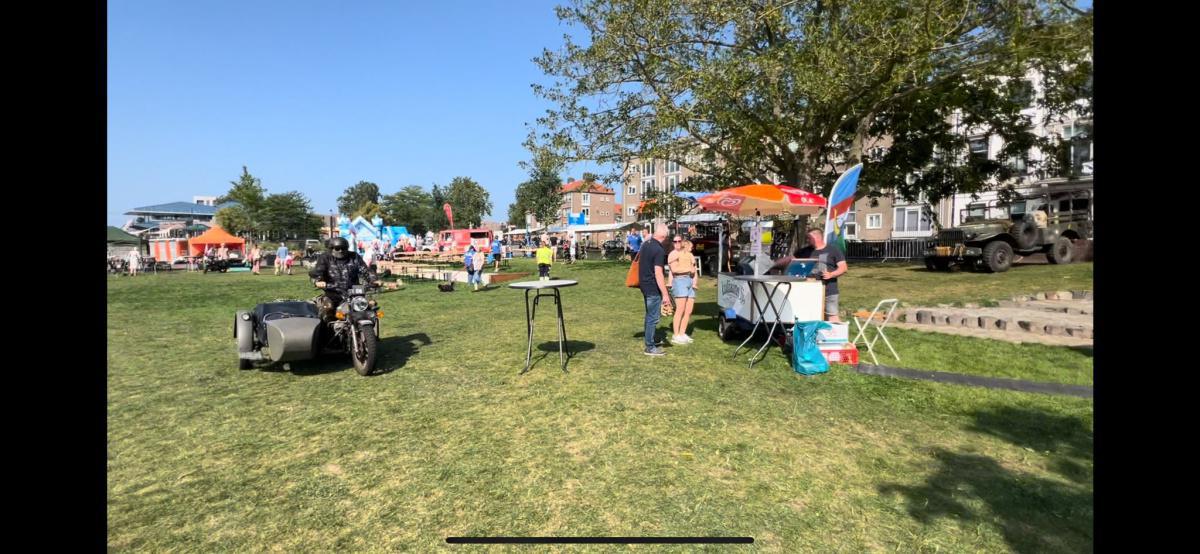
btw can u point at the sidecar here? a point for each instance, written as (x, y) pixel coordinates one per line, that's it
(280, 331)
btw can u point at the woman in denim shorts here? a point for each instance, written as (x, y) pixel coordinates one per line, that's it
(683, 287)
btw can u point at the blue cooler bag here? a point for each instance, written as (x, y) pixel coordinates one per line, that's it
(806, 357)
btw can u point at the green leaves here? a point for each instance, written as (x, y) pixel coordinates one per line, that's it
(469, 200)
(736, 83)
(540, 196)
(247, 191)
(275, 216)
(288, 215)
(411, 207)
(235, 219)
(355, 196)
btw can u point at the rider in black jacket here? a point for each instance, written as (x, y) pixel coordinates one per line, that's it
(339, 268)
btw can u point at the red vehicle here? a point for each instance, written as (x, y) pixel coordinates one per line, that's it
(457, 240)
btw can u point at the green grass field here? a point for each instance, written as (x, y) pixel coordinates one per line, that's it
(449, 440)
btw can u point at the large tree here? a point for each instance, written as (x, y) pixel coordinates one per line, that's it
(516, 215)
(288, 215)
(355, 196)
(540, 195)
(250, 194)
(437, 218)
(743, 91)
(469, 201)
(236, 220)
(409, 207)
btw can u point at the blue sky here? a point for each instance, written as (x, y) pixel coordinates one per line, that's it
(315, 96)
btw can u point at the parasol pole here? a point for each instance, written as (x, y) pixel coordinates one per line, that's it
(720, 247)
(758, 242)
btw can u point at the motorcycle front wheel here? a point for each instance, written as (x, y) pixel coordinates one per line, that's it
(364, 353)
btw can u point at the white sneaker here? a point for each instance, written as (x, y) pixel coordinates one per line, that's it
(686, 339)
(676, 339)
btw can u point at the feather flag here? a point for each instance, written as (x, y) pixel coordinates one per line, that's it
(449, 214)
(841, 203)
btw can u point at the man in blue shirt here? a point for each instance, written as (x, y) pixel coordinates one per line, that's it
(635, 243)
(496, 253)
(281, 256)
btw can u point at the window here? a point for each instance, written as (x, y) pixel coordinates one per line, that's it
(915, 219)
(587, 199)
(672, 180)
(979, 148)
(647, 186)
(852, 225)
(632, 211)
(1078, 204)
(648, 168)
(585, 212)
(874, 221)
(1078, 133)
(632, 190)
(672, 167)
(1022, 93)
(1017, 164)
(974, 211)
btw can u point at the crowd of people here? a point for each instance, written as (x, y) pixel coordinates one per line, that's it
(667, 276)
(283, 261)
(667, 279)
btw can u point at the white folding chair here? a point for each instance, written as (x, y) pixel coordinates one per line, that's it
(864, 324)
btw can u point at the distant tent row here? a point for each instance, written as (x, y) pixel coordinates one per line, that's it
(215, 237)
(120, 243)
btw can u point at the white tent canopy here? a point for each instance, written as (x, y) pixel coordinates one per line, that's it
(598, 227)
(701, 218)
(524, 231)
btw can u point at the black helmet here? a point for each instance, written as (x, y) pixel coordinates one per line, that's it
(339, 246)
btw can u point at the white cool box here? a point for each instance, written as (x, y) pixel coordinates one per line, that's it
(838, 335)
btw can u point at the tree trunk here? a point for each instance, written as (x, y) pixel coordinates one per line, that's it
(860, 136)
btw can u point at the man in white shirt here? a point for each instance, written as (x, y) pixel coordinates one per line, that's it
(135, 259)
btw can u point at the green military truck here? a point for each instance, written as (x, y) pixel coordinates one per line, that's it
(992, 234)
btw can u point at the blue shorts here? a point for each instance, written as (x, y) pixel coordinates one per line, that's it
(681, 287)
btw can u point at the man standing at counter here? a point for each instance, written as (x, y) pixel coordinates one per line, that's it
(831, 263)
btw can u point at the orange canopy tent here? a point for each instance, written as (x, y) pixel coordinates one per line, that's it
(215, 237)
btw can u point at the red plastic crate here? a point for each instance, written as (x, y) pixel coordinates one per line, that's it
(839, 353)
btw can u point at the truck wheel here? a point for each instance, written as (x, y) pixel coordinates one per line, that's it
(997, 256)
(1062, 252)
(929, 264)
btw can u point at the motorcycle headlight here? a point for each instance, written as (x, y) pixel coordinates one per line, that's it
(358, 304)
